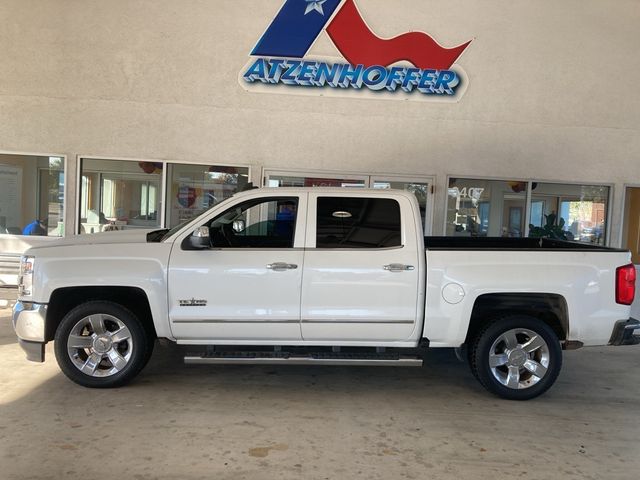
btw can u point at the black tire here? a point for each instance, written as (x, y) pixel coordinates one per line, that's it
(130, 354)
(501, 380)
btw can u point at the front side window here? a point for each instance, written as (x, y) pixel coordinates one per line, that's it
(346, 222)
(119, 195)
(261, 223)
(31, 195)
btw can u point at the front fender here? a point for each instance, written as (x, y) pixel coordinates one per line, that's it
(139, 265)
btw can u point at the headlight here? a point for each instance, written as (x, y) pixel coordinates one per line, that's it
(25, 281)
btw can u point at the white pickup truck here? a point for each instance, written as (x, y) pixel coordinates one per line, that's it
(322, 276)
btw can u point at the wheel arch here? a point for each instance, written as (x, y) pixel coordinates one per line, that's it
(551, 308)
(63, 300)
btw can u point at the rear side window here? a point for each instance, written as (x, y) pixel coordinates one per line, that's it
(357, 222)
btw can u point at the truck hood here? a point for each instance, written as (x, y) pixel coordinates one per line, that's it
(117, 237)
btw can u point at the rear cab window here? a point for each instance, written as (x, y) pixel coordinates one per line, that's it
(358, 222)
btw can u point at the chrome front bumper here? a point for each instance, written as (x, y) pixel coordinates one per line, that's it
(29, 321)
(626, 332)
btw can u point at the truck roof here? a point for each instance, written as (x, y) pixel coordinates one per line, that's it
(342, 191)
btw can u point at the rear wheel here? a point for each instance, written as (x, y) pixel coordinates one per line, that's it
(516, 357)
(101, 344)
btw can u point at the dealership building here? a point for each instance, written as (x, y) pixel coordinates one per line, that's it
(505, 119)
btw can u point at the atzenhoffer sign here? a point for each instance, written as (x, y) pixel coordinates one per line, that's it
(411, 64)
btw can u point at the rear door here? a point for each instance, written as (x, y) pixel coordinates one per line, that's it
(361, 274)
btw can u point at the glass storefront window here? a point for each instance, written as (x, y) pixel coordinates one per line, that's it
(486, 208)
(119, 195)
(496, 208)
(31, 195)
(570, 212)
(196, 188)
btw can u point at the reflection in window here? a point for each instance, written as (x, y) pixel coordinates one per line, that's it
(196, 188)
(537, 213)
(569, 212)
(485, 208)
(31, 195)
(119, 195)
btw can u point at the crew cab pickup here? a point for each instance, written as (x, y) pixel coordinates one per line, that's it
(321, 276)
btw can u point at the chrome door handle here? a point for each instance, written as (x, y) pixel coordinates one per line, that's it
(281, 266)
(398, 267)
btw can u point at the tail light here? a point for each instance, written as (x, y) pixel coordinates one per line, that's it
(625, 284)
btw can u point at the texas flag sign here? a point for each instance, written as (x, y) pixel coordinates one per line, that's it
(410, 64)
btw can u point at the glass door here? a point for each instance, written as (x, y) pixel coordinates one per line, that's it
(631, 234)
(421, 188)
(314, 179)
(631, 237)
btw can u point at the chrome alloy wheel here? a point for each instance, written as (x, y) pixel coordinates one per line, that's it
(100, 345)
(519, 358)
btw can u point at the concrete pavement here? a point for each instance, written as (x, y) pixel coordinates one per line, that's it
(287, 422)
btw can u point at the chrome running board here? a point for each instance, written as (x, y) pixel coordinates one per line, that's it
(323, 359)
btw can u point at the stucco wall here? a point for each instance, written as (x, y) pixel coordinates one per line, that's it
(552, 92)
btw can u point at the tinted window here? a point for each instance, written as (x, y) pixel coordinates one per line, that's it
(262, 223)
(345, 222)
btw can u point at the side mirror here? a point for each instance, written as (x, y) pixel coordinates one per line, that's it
(239, 226)
(200, 238)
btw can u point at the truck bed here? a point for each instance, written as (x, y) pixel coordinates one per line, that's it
(504, 243)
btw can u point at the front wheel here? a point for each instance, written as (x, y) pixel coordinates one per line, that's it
(516, 357)
(101, 344)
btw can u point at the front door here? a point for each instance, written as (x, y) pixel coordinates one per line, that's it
(362, 270)
(246, 287)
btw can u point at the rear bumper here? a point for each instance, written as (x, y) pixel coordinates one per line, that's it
(625, 332)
